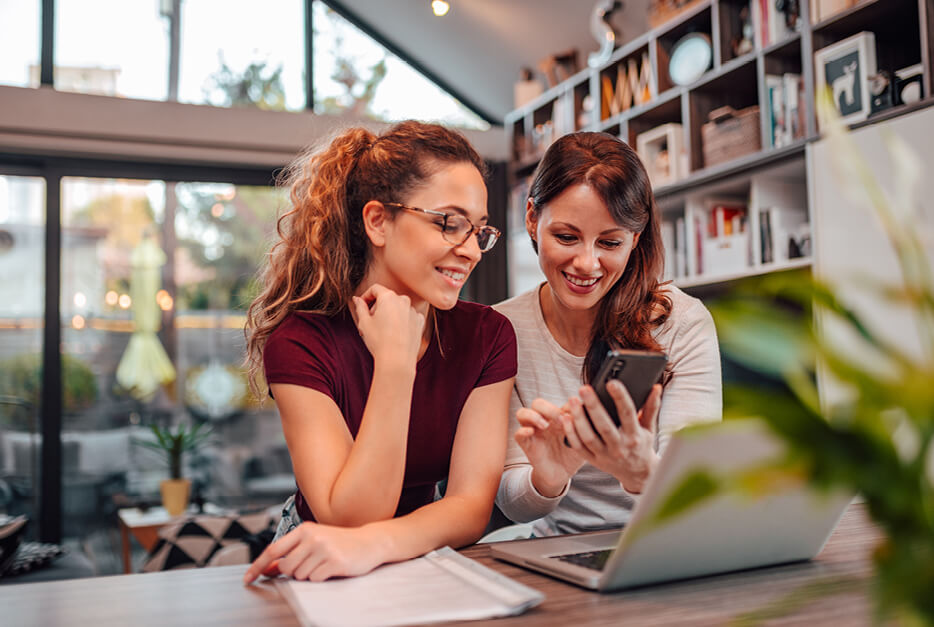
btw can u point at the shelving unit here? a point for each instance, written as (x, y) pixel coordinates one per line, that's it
(766, 177)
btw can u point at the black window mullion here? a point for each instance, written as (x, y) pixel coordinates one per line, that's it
(50, 405)
(47, 51)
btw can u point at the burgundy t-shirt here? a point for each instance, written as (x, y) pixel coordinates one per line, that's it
(327, 354)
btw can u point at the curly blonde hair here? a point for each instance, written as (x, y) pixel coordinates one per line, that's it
(323, 252)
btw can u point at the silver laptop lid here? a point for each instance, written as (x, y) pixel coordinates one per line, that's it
(782, 520)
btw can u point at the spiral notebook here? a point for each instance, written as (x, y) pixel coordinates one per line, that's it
(438, 587)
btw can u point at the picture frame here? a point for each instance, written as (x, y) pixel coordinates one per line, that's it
(662, 152)
(845, 67)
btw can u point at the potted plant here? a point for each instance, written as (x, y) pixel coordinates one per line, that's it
(173, 443)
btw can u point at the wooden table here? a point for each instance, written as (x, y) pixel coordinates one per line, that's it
(832, 590)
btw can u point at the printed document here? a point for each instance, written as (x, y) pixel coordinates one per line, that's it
(440, 586)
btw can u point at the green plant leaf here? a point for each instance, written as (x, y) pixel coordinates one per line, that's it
(696, 488)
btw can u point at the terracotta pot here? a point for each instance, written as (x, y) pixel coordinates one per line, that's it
(175, 495)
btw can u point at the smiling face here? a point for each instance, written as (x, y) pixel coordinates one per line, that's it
(413, 257)
(581, 249)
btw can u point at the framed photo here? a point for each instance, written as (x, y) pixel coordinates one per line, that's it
(845, 68)
(661, 150)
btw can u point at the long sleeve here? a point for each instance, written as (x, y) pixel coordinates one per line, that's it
(694, 394)
(594, 499)
(517, 497)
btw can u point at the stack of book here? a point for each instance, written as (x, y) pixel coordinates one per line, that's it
(785, 108)
(724, 243)
(784, 234)
(771, 24)
(674, 238)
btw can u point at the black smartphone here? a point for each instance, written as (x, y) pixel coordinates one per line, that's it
(637, 370)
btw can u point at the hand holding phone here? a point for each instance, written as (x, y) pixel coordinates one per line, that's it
(638, 371)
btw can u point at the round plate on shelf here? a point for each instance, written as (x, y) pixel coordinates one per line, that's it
(691, 56)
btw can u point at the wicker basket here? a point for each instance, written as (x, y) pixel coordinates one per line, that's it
(730, 134)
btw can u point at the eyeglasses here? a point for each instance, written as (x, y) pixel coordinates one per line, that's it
(456, 229)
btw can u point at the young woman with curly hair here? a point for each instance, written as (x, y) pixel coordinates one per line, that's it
(385, 382)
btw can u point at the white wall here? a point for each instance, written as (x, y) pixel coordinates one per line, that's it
(850, 243)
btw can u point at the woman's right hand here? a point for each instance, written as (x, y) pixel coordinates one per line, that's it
(541, 436)
(317, 552)
(390, 327)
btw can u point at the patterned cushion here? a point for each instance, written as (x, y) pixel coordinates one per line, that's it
(16, 557)
(11, 531)
(192, 541)
(31, 556)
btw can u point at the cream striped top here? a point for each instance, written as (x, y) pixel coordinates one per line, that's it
(595, 499)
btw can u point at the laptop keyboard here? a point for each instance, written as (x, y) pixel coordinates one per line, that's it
(595, 560)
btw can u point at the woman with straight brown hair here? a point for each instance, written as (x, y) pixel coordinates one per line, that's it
(594, 224)
(385, 382)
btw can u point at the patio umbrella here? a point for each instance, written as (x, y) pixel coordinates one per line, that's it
(145, 365)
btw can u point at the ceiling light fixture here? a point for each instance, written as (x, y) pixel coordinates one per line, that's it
(440, 7)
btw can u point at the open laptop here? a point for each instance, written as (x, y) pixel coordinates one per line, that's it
(733, 530)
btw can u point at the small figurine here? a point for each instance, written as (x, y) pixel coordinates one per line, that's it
(880, 90)
(792, 11)
(742, 42)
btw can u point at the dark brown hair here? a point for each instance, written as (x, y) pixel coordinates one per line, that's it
(323, 251)
(636, 304)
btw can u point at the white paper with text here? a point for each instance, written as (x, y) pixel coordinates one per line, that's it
(441, 586)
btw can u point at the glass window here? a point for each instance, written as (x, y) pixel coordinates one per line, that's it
(156, 272)
(111, 48)
(22, 303)
(243, 53)
(19, 42)
(356, 74)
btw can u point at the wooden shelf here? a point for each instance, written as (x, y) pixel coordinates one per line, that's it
(789, 45)
(741, 166)
(865, 15)
(753, 271)
(904, 32)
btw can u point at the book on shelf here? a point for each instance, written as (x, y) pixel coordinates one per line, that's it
(675, 243)
(784, 234)
(786, 108)
(775, 88)
(795, 107)
(667, 229)
(773, 24)
(760, 21)
(725, 218)
(681, 248)
(725, 247)
(766, 254)
(699, 267)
